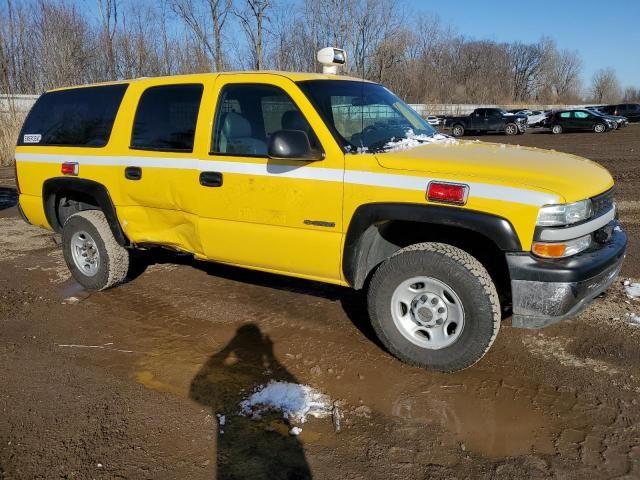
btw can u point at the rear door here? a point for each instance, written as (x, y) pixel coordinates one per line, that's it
(159, 161)
(564, 119)
(275, 215)
(581, 120)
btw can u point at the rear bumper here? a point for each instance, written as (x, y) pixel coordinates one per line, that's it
(548, 291)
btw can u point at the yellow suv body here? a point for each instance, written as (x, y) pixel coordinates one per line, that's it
(325, 178)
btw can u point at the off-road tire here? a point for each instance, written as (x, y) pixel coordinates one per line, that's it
(599, 128)
(511, 129)
(556, 129)
(114, 259)
(460, 271)
(457, 130)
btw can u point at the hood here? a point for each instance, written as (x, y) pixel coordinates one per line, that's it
(571, 177)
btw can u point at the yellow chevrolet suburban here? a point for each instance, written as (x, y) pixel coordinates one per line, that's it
(328, 178)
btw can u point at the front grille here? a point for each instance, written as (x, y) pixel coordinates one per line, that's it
(602, 203)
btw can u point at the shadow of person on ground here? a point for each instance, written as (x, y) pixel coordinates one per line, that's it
(248, 448)
(8, 198)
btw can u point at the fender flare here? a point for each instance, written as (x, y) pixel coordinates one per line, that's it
(365, 247)
(95, 190)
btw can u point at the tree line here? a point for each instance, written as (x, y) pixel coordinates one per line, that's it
(51, 43)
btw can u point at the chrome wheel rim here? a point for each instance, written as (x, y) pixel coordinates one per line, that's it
(557, 129)
(85, 253)
(599, 128)
(511, 129)
(457, 131)
(427, 312)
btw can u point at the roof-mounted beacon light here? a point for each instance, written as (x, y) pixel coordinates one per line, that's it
(331, 58)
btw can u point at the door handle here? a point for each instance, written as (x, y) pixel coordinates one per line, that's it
(211, 179)
(133, 173)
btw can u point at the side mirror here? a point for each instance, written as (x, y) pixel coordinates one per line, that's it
(292, 145)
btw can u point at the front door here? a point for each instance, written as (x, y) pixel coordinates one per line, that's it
(274, 215)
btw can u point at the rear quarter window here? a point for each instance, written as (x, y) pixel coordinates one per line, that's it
(78, 117)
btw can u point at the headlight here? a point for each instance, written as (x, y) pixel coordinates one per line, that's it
(565, 214)
(561, 249)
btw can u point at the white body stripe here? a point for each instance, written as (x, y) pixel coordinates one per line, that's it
(356, 177)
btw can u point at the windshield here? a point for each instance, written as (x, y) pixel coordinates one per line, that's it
(364, 116)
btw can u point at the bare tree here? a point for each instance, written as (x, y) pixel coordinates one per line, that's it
(631, 95)
(206, 19)
(109, 21)
(564, 75)
(605, 87)
(253, 16)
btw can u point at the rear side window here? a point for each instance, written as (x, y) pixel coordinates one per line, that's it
(166, 118)
(78, 117)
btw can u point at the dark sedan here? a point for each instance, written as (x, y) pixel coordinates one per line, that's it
(566, 120)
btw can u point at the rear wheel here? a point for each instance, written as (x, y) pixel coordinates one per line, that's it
(457, 130)
(511, 129)
(94, 257)
(599, 128)
(556, 129)
(434, 306)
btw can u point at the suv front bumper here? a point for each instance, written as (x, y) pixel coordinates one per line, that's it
(548, 291)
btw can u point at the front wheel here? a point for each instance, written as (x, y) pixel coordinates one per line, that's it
(457, 130)
(435, 306)
(556, 129)
(94, 257)
(599, 127)
(511, 129)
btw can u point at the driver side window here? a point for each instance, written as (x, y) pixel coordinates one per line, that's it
(581, 115)
(248, 115)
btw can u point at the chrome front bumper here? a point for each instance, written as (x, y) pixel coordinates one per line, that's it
(545, 292)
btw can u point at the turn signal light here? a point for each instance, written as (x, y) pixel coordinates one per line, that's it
(549, 250)
(447, 193)
(561, 249)
(70, 168)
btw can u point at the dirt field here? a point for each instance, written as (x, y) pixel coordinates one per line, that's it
(127, 383)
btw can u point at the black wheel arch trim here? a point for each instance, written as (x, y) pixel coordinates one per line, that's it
(363, 236)
(97, 191)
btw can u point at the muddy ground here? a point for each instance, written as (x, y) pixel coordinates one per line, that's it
(127, 383)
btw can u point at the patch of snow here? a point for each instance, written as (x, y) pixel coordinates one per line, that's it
(293, 400)
(295, 431)
(632, 290)
(411, 140)
(633, 319)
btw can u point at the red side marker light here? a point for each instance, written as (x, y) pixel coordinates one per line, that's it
(70, 168)
(447, 193)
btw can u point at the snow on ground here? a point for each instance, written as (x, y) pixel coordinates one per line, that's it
(412, 140)
(633, 319)
(632, 289)
(295, 401)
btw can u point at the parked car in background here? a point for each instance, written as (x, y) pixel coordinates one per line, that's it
(629, 110)
(580, 119)
(620, 121)
(488, 120)
(535, 118)
(433, 120)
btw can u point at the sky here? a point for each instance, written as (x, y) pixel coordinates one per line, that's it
(606, 33)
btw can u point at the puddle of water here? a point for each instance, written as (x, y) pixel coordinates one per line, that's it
(499, 424)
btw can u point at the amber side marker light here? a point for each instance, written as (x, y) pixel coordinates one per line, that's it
(443, 192)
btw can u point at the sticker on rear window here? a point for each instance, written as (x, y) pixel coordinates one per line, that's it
(32, 138)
